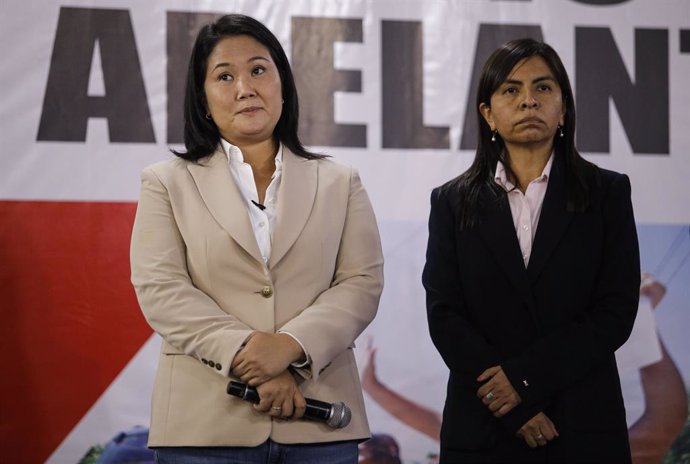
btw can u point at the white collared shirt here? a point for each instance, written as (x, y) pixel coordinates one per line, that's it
(263, 221)
(525, 207)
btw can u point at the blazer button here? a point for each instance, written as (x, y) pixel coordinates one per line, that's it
(267, 292)
(204, 361)
(218, 367)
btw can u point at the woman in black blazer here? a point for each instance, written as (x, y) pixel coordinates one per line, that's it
(532, 278)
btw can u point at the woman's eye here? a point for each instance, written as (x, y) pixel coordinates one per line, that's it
(510, 90)
(225, 77)
(544, 88)
(258, 70)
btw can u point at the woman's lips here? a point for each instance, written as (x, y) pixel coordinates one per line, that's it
(249, 110)
(530, 120)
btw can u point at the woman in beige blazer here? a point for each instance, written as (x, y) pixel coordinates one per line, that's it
(255, 260)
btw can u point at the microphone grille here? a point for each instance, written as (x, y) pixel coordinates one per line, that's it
(340, 415)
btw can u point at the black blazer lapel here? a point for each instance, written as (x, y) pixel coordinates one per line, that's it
(553, 221)
(498, 232)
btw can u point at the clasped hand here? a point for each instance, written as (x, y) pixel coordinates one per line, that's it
(497, 393)
(538, 431)
(262, 363)
(281, 397)
(500, 397)
(265, 356)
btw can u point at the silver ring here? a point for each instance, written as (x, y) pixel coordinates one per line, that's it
(277, 408)
(490, 397)
(538, 437)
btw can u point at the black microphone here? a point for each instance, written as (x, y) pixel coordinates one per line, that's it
(335, 415)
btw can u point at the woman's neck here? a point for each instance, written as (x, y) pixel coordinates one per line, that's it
(259, 155)
(527, 163)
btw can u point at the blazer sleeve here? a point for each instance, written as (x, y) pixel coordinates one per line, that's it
(463, 348)
(592, 338)
(186, 317)
(339, 314)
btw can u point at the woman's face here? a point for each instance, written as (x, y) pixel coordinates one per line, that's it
(243, 90)
(527, 108)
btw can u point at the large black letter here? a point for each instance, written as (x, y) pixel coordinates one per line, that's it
(684, 36)
(643, 106)
(403, 97)
(182, 30)
(490, 37)
(67, 106)
(317, 80)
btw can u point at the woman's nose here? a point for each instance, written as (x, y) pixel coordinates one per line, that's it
(244, 89)
(529, 101)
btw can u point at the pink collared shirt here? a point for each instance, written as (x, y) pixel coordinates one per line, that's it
(525, 207)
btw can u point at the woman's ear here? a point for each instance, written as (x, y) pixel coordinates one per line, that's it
(485, 110)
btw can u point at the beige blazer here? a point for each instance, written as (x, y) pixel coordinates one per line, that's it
(203, 286)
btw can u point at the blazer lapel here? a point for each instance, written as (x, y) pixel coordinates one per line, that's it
(553, 221)
(224, 200)
(498, 232)
(295, 201)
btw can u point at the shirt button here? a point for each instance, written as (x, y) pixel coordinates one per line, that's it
(267, 292)
(525, 227)
(261, 225)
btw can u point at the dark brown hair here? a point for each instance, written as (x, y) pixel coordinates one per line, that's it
(481, 173)
(201, 135)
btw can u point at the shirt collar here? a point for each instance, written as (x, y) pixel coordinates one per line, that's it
(234, 154)
(501, 176)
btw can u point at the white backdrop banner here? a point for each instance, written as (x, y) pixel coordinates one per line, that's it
(93, 92)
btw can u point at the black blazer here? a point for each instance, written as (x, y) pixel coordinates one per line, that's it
(553, 327)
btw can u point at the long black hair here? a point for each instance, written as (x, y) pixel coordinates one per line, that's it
(480, 175)
(201, 135)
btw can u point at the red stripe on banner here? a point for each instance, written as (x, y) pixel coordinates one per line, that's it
(70, 317)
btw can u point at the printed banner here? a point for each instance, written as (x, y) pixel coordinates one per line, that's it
(93, 93)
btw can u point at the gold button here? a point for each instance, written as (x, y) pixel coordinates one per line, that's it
(267, 292)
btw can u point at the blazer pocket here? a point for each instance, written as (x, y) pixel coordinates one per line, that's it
(167, 348)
